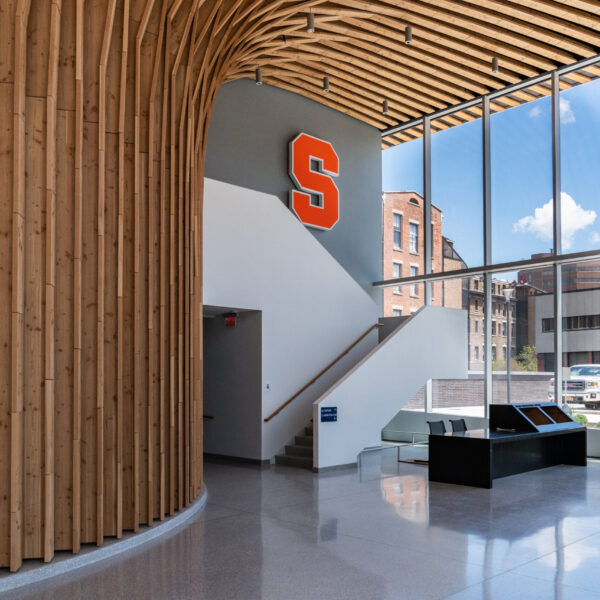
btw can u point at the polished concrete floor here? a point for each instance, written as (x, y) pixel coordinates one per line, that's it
(381, 532)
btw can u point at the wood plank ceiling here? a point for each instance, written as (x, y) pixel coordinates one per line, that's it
(360, 46)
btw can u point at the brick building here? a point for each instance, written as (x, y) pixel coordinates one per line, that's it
(576, 276)
(403, 251)
(474, 300)
(403, 256)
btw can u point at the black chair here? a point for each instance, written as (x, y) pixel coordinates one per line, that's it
(458, 424)
(436, 427)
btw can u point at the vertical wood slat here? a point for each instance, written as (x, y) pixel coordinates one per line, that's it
(49, 334)
(77, 274)
(18, 286)
(120, 266)
(100, 271)
(152, 333)
(138, 366)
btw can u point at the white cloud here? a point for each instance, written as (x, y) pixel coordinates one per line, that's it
(566, 112)
(574, 219)
(595, 237)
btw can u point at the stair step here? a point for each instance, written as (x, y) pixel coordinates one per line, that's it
(303, 462)
(303, 440)
(299, 451)
(308, 430)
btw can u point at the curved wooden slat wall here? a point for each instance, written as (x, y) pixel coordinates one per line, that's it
(104, 106)
(104, 109)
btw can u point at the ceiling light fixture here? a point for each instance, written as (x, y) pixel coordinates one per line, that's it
(310, 22)
(408, 35)
(325, 83)
(385, 109)
(259, 80)
(495, 67)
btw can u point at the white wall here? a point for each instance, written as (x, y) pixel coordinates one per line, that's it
(430, 345)
(258, 256)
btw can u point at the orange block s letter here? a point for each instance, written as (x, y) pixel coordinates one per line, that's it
(313, 163)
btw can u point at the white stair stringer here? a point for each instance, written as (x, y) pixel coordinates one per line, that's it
(432, 344)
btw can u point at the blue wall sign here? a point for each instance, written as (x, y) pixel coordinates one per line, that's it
(328, 413)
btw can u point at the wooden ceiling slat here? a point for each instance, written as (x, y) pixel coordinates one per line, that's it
(488, 38)
(451, 58)
(562, 11)
(454, 41)
(456, 74)
(359, 45)
(435, 86)
(539, 19)
(509, 31)
(425, 92)
(353, 90)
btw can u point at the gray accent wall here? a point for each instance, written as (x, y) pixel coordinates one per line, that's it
(248, 139)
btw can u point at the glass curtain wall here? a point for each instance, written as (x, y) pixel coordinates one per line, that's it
(521, 174)
(456, 193)
(579, 158)
(464, 395)
(581, 340)
(521, 367)
(403, 223)
(521, 178)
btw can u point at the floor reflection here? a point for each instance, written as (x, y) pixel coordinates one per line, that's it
(381, 532)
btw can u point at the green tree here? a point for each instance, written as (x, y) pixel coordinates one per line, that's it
(581, 419)
(527, 358)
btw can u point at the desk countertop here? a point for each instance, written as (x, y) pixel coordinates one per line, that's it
(505, 436)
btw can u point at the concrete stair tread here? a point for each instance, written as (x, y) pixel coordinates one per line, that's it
(294, 461)
(299, 451)
(303, 440)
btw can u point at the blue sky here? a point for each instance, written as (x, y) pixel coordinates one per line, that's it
(521, 177)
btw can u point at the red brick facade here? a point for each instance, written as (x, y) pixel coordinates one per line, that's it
(409, 207)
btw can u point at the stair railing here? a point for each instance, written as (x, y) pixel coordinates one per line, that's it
(316, 377)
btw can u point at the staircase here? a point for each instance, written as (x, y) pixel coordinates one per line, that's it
(300, 453)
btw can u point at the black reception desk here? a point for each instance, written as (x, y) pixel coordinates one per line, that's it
(479, 456)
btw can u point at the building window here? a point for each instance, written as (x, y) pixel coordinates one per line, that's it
(397, 311)
(414, 271)
(397, 275)
(414, 201)
(504, 329)
(476, 325)
(413, 238)
(503, 352)
(493, 352)
(476, 350)
(493, 327)
(547, 325)
(397, 231)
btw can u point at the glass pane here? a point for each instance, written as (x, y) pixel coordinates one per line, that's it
(516, 325)
(581, 343)
(580, 156)
(457, 191)
(521, 174)
(464, 397)
(403, 221)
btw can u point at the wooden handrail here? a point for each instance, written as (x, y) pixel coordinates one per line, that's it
(362, 337)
